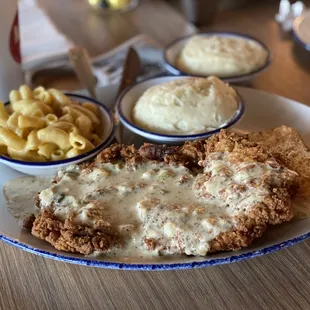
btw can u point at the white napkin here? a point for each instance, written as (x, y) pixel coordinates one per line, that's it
(42, 45)
(288, 12)
(40, 40)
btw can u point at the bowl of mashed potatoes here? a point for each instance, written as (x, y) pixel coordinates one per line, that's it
(177, 109)
(232, 57)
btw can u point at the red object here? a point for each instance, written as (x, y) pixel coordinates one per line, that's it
(14, 40)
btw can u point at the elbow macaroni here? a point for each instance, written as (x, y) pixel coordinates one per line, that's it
(30, 106)
(79, 142)
(84, 125)
(54, 135)
(25, 121)
(58, 155)
(94, 119)
(90, 106)
(73, 153)
(25, 155)
(46, 125)
(51, 118)
(47, 149)
(41, 94)
(3, 115)
(33, 141)
(11, 139)
(95, 139)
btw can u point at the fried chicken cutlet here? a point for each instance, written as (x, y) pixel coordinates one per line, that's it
(205, 196)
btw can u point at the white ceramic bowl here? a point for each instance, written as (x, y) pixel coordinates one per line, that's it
(50, 168)
(301, 30)
(173, 50)
(127, 100)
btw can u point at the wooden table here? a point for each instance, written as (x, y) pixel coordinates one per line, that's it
(277, 281)
(289, 74)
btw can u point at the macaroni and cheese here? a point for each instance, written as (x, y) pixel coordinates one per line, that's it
(46, 125)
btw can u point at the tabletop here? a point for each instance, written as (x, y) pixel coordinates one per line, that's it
(280, 280)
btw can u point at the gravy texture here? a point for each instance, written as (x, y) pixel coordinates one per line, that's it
(157, 208)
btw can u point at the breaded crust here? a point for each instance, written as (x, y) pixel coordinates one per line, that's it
(68, 236)
(71, 237)
(277, 209)
(288, 148)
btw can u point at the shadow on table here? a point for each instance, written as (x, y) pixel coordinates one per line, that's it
(302, 57)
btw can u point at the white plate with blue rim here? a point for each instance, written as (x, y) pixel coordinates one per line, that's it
(172, 51)
(263, 111)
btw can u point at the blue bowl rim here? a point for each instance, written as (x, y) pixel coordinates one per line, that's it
(146, 266)
(297, 39)
(174, 70)
(122, 117)
(69, 160)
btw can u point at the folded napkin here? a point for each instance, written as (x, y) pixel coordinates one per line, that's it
(108, 68)
(40, 40)
(43, 46)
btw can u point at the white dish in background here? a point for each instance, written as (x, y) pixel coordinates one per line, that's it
(50, 168)
(130, 96)
(173, 50)
(301, 30)
(263, 111)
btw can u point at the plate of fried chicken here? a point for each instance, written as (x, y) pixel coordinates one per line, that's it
(241, 193)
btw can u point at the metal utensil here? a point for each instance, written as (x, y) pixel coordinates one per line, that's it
(81, 64)
(132, 67)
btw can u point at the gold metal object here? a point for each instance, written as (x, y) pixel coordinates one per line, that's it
(132, 67)
(81, 63)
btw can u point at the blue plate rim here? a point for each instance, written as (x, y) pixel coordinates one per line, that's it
(154, 267)
(102, 145)
(174, 70)
(234, 120)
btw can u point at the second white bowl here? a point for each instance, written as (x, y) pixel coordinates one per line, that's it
(129, 97)
(173, 50)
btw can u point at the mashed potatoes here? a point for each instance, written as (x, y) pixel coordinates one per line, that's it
(221, 56)
(185, 106)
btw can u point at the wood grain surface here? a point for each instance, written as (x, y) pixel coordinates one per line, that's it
(289, 73)
(276, 281)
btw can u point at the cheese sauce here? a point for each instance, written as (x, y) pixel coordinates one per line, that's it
(159, 209)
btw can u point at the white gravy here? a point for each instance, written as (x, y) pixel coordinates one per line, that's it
(20, 194)
(153, 201)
